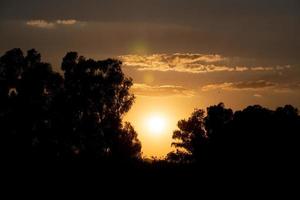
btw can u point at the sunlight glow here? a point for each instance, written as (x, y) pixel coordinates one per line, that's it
(156, 124)
(155, 119)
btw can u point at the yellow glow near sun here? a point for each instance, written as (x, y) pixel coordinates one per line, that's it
(139, 47)
(156, 124)
(155, 119)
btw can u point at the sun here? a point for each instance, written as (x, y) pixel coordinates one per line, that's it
(156, 124)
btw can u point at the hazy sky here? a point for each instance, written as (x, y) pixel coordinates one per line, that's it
(181, 54)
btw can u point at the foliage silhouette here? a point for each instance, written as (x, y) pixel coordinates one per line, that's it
(255, 135)
(190, 137)
(79, 116)
(75, 117)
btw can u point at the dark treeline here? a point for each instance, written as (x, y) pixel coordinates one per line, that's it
(253, 136)
(78, 116)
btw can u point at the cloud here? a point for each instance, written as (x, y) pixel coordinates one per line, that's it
(254, 86)
(141, 89)
(190, 63)
(66, 22)
(258, 95)
(247, 85)
(50, 24)
(288, 87)
(41, 24)
(189, 58)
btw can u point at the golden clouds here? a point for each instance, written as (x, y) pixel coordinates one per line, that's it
(40, 24)
(66, 22)
(190, 63)
(44, 24)
(252, 86)
(161, 90)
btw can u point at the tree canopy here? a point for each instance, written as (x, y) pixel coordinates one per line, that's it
(252, 135)
(75, 116)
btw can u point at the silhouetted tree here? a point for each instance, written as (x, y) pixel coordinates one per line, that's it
(126, 145)
(37, 90)
(191, 138)
(287, 127)
(75, 117)
(216, 124)
(25, 85)
(217, 117)
(12, 66)
(253, 136)
(96, 96)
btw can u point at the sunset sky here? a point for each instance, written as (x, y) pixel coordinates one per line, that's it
(181, 54)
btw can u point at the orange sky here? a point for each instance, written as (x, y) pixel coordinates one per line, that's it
(181, 54)
(170, 108)
(172, 85)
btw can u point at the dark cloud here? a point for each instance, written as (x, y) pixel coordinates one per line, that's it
(148, 10)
